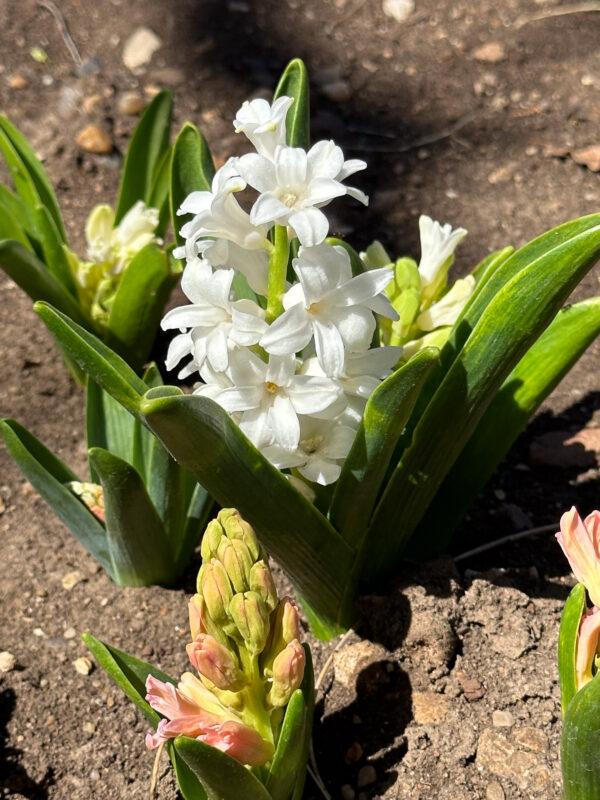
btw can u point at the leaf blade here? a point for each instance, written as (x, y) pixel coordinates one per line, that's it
(192, 170)
(567, 644)
(294, 83)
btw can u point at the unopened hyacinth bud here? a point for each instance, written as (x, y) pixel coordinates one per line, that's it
(288, 671)
(215, 588)
(285, 627)
(237, 528)
(216, 662)
(261, 582)
(213, 535)
(236, 558)
(251, 618)
(92, 495)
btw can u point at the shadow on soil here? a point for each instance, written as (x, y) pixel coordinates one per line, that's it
(15, 780)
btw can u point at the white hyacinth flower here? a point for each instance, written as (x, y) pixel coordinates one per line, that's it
(447, 310)
(270, 397)
(331, 306)
(263, 124)
(253, 264)
(322, 447)
(219, 215)
(216, 323)
(438, 243)
(114, 247)
(295, 184)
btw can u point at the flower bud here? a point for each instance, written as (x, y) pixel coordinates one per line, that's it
(216, 590)
(237, 528)
(211, 539)
(236, 558)
(288, 671)
(215, 662)
(261, 582)
(251, 618)
(285, 627)
(92, 495)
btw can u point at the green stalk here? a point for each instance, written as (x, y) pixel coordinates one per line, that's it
(278, 261)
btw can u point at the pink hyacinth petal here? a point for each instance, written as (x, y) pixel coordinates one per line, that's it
(581, 550)
(240, 742)
(587, 646)
(592, 523)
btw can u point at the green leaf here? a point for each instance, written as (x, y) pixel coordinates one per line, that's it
(192, 170)
(294, 83)
(222, 777)
(55, 256)
(579, 744)
(31, 180)
(108, 424)
(139, 304)
(108, 369)
(486, 268)
(206, 442)
(11, 229)
(148, 144)
(505, 329)
(128, 672)
(386, 414)
(36, 280)
(14, 207)
(137, 543)
(291, 756)
(198, 514)
(536, 375)
(189, 785)
(567, 644)
(48, 475)
(159, 193)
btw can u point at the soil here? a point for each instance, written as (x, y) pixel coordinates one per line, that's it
(449, 687)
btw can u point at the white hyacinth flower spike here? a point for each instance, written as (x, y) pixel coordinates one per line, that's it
(438, 243)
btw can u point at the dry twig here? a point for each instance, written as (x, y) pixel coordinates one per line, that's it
(514, 537)
(63, 30)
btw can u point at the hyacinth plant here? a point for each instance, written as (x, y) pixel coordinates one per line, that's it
(579, 658)
(239, 725)
(350, 406)
(139, 514)
(119, 289)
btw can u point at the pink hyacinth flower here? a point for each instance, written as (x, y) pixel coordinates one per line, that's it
(580, 541)
(587, 646)
(192, 710)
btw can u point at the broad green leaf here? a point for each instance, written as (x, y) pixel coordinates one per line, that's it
(48, 475)
(206, 442)
(136, 538)
(108, 424)
(36, 280)
(148, 143)
(144, 439)
(128, 672)
(486, 268)
(94, 357)
(189, 785)
(31, 180)
(291, 756)
(11, 229)
(386, 413)
(139, 304)
(198, 514)
(507, 327)
(192, 170)
(13, 206)
(579, 745)
(159, 193)
(222, 777)
(294, 83)
(567, 644)
(536, 375)
(52, 245)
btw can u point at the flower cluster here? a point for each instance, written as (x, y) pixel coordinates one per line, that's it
(288, 359)
(281, 323)
(245, 648)
(110, 249)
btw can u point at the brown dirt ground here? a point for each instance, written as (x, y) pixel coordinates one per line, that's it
(450, 689)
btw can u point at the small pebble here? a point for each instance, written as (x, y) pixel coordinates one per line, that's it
(502, 719)
(70, 633)
(83, 665)
(366, 776)
(130, 103)
(94, 775)
(18, 81)
(492, 52)
(337, 91)
(400, 10)
(93, 139)
(71, 579)
(89, 727)
(7, 661)
(140, 47)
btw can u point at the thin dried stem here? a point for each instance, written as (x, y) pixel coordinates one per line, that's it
(514, 537)
(154, 778)
(63, 30)
(561, 11)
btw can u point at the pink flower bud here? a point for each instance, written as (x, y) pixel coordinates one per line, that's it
(580, 541)
(197, 612)
(215, 662)
(288, 671)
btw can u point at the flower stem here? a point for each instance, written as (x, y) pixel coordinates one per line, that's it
(278, 261)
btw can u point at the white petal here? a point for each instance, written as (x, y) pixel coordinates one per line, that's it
(179, 347)
(311, 395)
(195, 203)
(381, 304)
(255, 425)
(240, 398)
(318, 470)
(329, 346)
(191, 316)
(290, 167)
(378, 361)
(363, 287)
(356, 326)
(338, 442)
(267, 209)
(311, 226)
(357, 194)
(325, 159)
(258, 171)
(350, 167)
(290, 332)
(216, 348)
(284, 422)
(322, 191)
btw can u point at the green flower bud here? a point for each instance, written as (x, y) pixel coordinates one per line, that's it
(215, 588)
(251, 618)
(236, 558)
(237, 528)
(213, 535)
(285, 627)
(261, 582)
(375, 256)
(288, 671)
